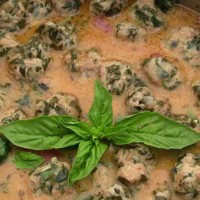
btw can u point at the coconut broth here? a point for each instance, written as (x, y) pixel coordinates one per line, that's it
(15, 184)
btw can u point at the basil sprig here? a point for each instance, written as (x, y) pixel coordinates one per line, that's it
(92, 138)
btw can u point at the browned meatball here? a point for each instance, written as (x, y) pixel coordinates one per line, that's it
(59, 104)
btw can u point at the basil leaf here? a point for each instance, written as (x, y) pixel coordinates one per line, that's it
(152, 129)
(80, 128)
(101, 113)
(4, 149)
(40, 133)
(26, 160)
(87, 157)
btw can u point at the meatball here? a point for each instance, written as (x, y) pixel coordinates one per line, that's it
(145, 12)
(86, 63)
(161, 72)
(67, 7)
(191, 122)
(162, 194)
(135, 164)
(38, 8)
(7, 41)
(196, 90)
(102, 176)
(59, 104)
(126, 31)
(116, 76)
(141, 99)
(165, 5)
(185, 41)
(29, 61)
(14, 116)
(12, 15)
(107, 7)
(186, 179)
(114, 192)
(50, 178)
(58, 36)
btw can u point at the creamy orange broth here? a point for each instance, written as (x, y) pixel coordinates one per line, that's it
(15, 184)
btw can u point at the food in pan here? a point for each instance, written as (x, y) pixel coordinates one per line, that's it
(99, 100)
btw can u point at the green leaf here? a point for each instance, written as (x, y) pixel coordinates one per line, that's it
(27, 160)
(4, 149)
(80, 128)
(87, 158)
(40, 133)
(152, 129)
(101, 113)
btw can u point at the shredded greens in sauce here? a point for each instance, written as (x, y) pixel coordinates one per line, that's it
(99, 100)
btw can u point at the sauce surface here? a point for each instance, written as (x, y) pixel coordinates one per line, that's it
(15, 184)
